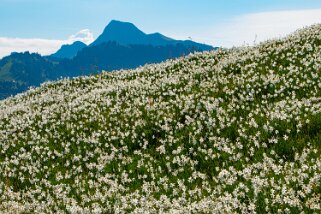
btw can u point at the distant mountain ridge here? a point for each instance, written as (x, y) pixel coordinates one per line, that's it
(126, 33)
(121, 46)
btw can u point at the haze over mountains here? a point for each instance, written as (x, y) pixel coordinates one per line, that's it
(121, 46)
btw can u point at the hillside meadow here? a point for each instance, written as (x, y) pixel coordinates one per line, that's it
(229, 131)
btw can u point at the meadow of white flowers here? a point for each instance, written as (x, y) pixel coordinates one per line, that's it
(230, 131)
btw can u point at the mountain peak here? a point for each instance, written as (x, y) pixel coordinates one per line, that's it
(126, 33)
(120, 29)
(121, 32)
(117, 22)
(69, 50)
(115, 25)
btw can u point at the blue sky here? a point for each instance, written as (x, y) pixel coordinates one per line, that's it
(49, 23)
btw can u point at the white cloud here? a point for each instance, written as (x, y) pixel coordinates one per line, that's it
(42, 46)
(84, 36)
(262, 26)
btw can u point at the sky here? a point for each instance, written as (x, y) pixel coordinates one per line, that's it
(44, 25)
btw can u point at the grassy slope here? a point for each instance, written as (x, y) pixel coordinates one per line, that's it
(228, 131)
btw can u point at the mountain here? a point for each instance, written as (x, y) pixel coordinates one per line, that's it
(69, 51)
(121, 46)
(121, 32)
(19, 71)
(25, 66)
(228, 131)
(127, 33)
